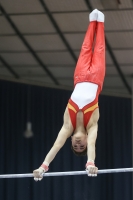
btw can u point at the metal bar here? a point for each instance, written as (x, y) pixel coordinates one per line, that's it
(132, 131)
(103, 171)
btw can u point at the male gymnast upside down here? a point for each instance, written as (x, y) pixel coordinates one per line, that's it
(82, 113)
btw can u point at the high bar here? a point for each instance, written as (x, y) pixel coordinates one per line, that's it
(69, 173)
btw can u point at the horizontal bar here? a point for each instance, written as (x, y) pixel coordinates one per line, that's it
(103, 171)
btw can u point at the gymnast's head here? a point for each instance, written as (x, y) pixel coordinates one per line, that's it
(79, 143)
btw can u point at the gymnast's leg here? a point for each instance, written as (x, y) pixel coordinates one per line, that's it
(85, 56)
(98, 58)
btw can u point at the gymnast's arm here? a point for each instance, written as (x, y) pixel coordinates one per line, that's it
(64, 133)
(92, 129)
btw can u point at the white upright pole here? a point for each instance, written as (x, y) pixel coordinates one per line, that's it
(132, 133)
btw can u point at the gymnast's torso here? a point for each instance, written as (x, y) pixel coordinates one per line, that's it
(82, 103)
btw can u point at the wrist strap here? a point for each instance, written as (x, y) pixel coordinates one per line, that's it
(90, 163)
(45, 167)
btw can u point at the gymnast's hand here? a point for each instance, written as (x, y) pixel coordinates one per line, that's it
(38, 173)
(91, 169)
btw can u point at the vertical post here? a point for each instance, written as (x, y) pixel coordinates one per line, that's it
(132, 133)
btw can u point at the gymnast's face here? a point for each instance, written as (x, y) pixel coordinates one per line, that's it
(79, 141)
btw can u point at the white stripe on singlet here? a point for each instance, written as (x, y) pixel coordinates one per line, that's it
(84, 93)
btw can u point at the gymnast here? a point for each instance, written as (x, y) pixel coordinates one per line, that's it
(82, 112)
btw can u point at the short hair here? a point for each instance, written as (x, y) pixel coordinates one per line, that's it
(83, 153)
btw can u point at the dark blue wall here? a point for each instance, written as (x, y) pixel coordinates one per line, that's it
(21, 155)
